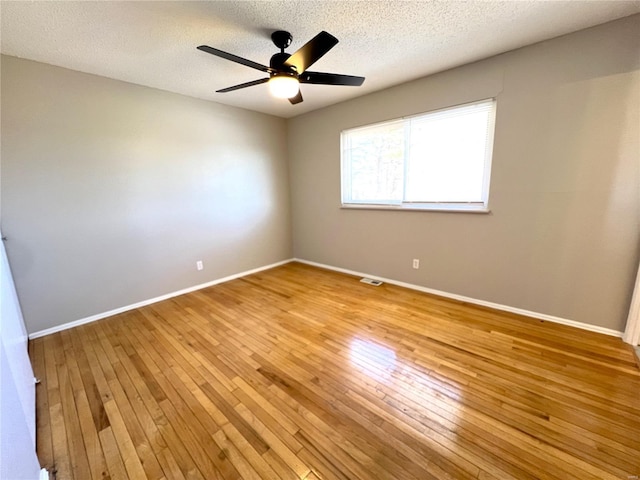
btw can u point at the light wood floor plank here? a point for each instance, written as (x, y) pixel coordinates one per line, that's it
(44, 444)
(90, 438)
(61, 462)
(112, 455)
(302, 373)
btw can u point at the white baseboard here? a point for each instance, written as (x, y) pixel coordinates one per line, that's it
(99, 316)
(462, 298)
(497, 306)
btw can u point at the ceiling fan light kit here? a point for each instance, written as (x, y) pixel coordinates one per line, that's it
(286, 71)
(282, 85)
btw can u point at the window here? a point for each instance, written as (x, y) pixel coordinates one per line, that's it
(439, 160)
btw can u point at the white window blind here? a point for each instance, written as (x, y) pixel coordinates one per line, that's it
(438, 160)
(376, 162)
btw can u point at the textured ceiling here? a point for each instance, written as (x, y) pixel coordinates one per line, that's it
(388, 42)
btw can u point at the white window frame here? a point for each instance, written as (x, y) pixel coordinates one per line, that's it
(481, 206)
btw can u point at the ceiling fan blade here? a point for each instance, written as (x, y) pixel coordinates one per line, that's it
(321, 78)
(311, 51)
(296, 99)
(243, 85)
(234, 58)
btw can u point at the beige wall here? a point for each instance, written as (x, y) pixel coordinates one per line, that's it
(562, 237)
(111, 192)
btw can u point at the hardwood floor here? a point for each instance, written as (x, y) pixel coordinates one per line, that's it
(302, 373)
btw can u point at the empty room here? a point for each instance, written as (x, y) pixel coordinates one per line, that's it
(339, 240)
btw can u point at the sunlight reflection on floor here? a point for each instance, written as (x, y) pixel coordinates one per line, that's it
(417, 384)
(374, 360)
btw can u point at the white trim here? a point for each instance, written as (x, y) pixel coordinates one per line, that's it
(99, 316)
(632, 331)
(462, 298)
(44, 475)
(420, 207)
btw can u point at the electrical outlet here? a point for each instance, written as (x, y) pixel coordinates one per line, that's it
(416, 263)
(199, 265)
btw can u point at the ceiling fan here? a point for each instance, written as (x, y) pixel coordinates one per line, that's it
(287, 71)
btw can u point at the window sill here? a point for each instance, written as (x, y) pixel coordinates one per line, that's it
(419, 208)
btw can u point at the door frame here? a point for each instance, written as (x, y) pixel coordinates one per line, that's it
(632, 331)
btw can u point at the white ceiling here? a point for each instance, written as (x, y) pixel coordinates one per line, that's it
(388, 42)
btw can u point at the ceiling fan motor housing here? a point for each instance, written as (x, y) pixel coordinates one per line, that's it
(277, 63)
